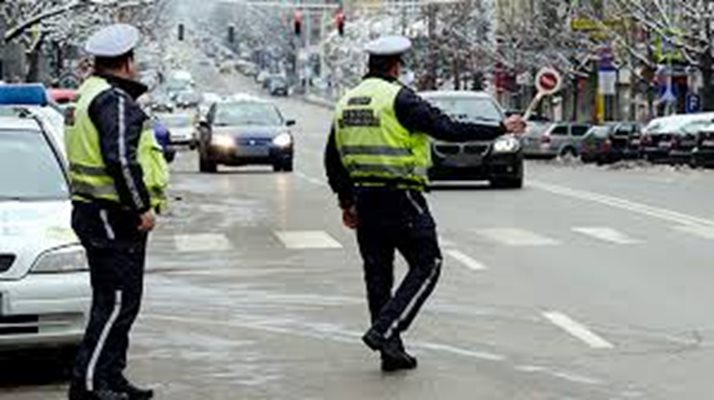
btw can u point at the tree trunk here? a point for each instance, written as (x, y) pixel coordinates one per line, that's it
(706, 62)
(33, 62)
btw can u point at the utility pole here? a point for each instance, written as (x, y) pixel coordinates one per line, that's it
(431, 28)
(3, 27)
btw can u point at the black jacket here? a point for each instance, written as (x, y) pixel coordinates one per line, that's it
(120, 121)
(416, 115)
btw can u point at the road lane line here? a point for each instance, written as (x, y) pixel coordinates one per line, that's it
(606, 234)
(202, 242)
(516, 237)
(577, 330)
(640, 208)
(467, 261)
(705, 232)
(307, 240)
(310, 179)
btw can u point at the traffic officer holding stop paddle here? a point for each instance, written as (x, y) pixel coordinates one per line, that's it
(376, 161)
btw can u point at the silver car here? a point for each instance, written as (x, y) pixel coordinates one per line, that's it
(551, 140)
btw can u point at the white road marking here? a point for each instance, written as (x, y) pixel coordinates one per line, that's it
(706, 232)
(310, 179)
(516, 237)
(202, 242)
(606, 234)
(308, 240)
(467, 261)
(644, 209)
(577, 329)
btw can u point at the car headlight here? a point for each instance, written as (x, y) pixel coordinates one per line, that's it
(70, 258)
(283, 140)
(506, 144)
(223, 141)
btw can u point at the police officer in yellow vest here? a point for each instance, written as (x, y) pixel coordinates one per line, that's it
(118, 177)
(376, 161)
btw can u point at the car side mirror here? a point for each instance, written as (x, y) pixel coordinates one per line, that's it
(290, 122)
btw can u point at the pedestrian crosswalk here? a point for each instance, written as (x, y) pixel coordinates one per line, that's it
(493, 236)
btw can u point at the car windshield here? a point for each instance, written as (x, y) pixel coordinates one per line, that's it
(469, 109)
(176, 120)
(600, 131)
(29, 169)
(245, 113)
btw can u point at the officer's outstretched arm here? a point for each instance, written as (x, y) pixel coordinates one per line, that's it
(120, 122)
(418, 115)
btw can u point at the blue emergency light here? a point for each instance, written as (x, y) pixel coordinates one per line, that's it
(30, 94)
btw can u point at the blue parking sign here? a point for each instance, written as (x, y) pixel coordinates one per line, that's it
(694, 103)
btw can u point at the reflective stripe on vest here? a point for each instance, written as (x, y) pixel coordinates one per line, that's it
(374, 146)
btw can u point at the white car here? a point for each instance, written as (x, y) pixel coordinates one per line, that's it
(45, 292)
(181, 126)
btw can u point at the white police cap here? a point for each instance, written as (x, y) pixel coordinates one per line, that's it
(388, 46)
(112, 41)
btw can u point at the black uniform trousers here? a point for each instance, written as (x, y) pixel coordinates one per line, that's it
(389, 220)
(116, 252)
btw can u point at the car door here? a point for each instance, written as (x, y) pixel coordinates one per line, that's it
(576, 134)
(559, 138)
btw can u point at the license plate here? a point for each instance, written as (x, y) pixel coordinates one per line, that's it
(665, 145)
(250, 151)
(708, 143)
(636, 142)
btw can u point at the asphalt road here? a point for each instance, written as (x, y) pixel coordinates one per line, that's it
(590, 283)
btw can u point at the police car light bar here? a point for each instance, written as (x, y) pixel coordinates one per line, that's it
(31, 94)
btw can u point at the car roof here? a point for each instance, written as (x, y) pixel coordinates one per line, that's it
(455, 94)
(17, 123)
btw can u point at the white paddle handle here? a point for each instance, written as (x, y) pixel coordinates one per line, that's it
(531, 107)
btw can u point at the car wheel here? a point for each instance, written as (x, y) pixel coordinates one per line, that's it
(508, 183)
(207, 166)
(288, 166)
(66, 357)
(568, 152)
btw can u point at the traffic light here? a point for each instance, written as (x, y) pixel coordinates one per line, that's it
(340, 22)
(180, 32)
(231, 34)
(298, 23)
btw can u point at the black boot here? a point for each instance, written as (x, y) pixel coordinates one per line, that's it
(77, 392)
(395, 357)
(132, 391)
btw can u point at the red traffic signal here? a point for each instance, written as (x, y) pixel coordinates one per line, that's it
(340, 22)
(297, 23)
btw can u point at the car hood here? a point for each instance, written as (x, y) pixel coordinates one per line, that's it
(27, 229)
(186, 131)
(253, 132)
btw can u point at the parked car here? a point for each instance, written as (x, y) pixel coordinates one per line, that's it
(703, 154)
(611, 142)
(278, 86)
(245, 131)
(673, 138)
(498, 161)
(551, 140)
(45, 293)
